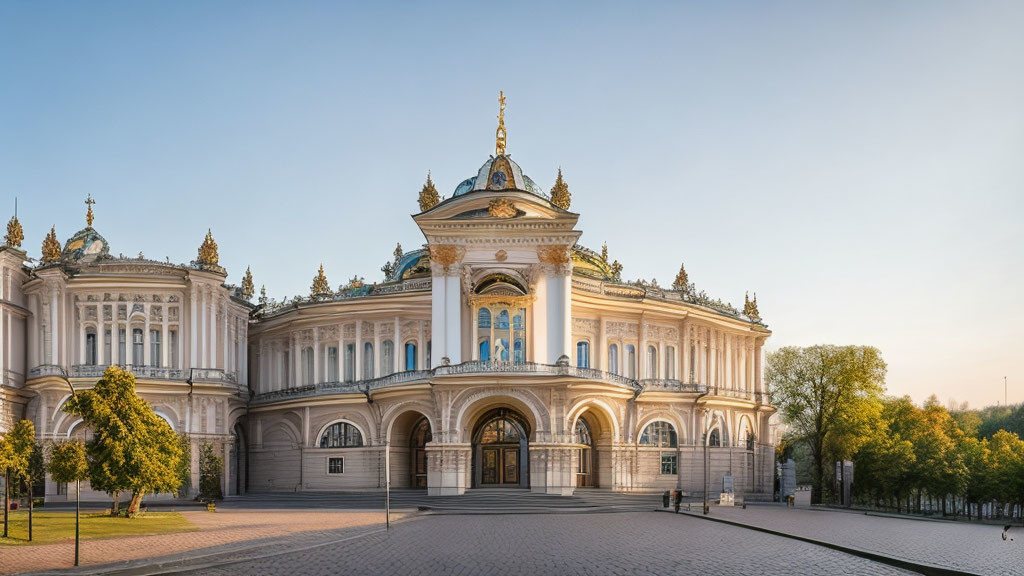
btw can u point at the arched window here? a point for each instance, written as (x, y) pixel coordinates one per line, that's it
(659, 433)
(332, 364)
(503, 320)
(582, 432)
(714, 439)
(631, 361)
(583, 354)
(387, 357)
(307, 365)
(90, 347)
(137, 346)
(350, 362)
(341, 435)
(484, 320)
(410, 356)
(670, 362)
(652, 362)
(613, 358)
(367, 360)
(518, 354)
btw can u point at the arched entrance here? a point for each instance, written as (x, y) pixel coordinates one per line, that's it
(585, 467)
(500, 450)
(418, 452)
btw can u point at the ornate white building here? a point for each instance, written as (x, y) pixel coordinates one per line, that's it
(502, 353)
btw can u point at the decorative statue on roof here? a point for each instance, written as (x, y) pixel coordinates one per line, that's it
(355, 282)
(682, 281)
(320, 286)
(604, 253)
(428, 195)
(247, 285)
(750, 307)
(616, 271)
(391, 268)
(15, 234)
(263, 294)
(51, 247)
(560, 192)
(208, 251)
(500, 135)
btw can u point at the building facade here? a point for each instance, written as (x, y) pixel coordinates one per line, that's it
(502, 353)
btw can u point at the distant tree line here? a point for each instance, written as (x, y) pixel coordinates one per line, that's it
(927, 458)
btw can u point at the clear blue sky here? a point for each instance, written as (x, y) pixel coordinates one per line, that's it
(858, 165)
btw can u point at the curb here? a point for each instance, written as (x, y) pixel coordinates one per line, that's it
(920, 568)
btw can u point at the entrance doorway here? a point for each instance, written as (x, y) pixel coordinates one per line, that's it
(500, 450)
(586, 456)
(418, 451)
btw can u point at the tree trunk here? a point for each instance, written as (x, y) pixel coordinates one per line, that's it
(7, 505)
(30, 499)
(115, 509)
(819, 474)
(133, 506)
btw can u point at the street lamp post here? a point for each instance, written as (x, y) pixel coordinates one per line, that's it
(707, 466)
(78, 483)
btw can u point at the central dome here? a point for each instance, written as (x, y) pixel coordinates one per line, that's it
(85, 246)
(499, 173)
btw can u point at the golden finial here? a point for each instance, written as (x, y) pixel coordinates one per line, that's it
(682, 281)
(15, 234)
(499, 147)
(604, 252)
(428, 195)
(247, 286)
(560, 192)
(88, 215)
(750, 307)
(51, 247)
(208, 251)
(320, 286)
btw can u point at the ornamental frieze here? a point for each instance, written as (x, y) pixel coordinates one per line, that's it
(584, 326)
(328, 332)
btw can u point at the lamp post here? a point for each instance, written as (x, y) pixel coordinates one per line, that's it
(387, 485)
(78, 483)
(707, 467)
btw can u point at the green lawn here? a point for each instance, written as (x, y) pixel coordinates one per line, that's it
(52, 526)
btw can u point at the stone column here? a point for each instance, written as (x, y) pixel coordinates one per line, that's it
(602, 345)
(475, 323)
(359, 350)
(193, 332)
(378, 352)
(203, 358)
(421, 348)
(146, 360)
(641, 353)
(296, 361)
(727, 380)
(316, 356)
(214, 356)
(81, 333)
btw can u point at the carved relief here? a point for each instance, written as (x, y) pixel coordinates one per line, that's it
(501, 208)
(584, 326)
(443, 258)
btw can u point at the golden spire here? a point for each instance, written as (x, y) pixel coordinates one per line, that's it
(428, 195)
(88, 215)
(51, 247)
(682, 281)
(560, 192)
(247, 286)
(320, 286)
(500, 135)
(208, 251)
(15, 234)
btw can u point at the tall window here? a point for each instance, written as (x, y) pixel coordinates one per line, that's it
(484, 318)
(670, 362)
(106, 347)
(428, 355)
(341, 435)
(332, 363)
(367, 360)
(613, 358)
(518, 355)
(154, 348)
(350, 362)
(90, 348)
(660, 434)
(307, 365)
(387, 358)
(137, 347)
(410, 356)
(715, 439)
(583, 354)
(122, 346)
(631, 361)
(172, 347)
(652, 362)
(485, 350)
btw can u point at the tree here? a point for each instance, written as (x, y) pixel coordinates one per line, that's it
(20, 443)
(6, 458)
(68, 464)
(817, 388)
(184, 464)
(210, 466)
(132, 448)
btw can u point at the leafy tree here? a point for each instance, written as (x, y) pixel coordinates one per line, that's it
(817, 387)
(184, 464)
(210, 466)
(132, 448)
(20, 443)
(68, 462)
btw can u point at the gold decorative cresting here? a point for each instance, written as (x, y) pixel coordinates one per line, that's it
(88, 214)
(682, 281)
(750, 307)
(500, 134)
(320, 286)
(248, 288)
(208, 251)
(502, 208)
(560, 192)
(15, 234)
(51, 247)
(428, 195)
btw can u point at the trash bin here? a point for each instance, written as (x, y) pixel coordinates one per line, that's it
(679, 499)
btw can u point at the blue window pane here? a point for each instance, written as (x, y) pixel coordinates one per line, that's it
(485, 350)
(517, 322)
(410, 356)
(583, 354)
(519, 356)
(503, 320)
(484, 318)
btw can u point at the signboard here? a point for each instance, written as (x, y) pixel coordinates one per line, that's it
(728, 485)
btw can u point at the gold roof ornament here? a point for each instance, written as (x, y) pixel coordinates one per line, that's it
(604, 253)
(247, 286)
(51, 247)
(320, 286)
(502, 208)
(428, 195)
(500, 134)
(750, 307)
(88, 215)
(208, 251)
(15, 234)
(682, 281)
(263, 294)
(560, 192)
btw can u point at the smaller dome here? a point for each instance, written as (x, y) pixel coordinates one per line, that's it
(499, 173)
(465, 186)
(85, 246)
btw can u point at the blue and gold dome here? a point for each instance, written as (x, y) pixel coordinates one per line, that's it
(499, 173)
(87, 244)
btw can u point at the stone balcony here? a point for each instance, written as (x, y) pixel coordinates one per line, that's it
(204, 375)
(668, 385)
